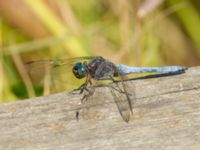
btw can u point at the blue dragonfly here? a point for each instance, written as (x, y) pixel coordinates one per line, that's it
(96, 68)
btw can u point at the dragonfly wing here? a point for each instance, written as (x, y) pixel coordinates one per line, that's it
(56, 73)
(91, 104)
(124, 98)
(122, 104)
(129, 95)
(120, 94)
(38, 69)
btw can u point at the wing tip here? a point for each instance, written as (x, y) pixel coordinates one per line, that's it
(125, 116)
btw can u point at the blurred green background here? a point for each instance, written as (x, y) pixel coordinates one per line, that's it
(133, 32)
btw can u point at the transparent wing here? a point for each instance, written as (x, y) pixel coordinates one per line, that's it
(121, 96)
(39, 68)
(56, 74)
(122, 104)
(90, 105)
(123, 99)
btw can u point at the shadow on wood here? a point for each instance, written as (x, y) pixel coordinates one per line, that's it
(166, 115)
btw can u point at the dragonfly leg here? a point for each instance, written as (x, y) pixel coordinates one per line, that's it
(83, 86)
(86, 96)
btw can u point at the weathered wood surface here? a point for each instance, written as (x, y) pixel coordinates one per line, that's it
(166, 116)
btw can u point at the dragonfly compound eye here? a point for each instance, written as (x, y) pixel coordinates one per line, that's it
(79, 70)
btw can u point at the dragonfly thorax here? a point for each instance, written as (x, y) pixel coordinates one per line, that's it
(79, 70)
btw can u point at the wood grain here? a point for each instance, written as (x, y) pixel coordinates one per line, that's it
(166, 116)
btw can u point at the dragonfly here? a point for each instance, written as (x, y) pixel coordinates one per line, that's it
(97, 68)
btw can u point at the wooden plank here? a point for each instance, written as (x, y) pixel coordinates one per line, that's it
(166, 116)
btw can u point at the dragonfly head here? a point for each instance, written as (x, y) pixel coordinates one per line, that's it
(79, 70)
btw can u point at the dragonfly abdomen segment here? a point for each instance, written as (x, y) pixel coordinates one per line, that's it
(165, 69)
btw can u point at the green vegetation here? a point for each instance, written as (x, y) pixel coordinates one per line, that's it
(140, 33)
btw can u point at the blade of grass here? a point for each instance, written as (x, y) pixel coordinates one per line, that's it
(190, 19)
(56, 27)
(26, 80)
(1, 64)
